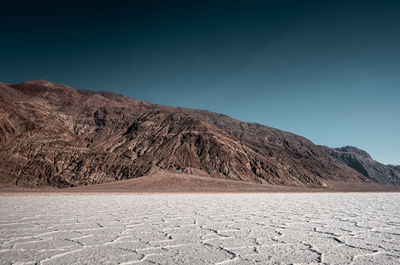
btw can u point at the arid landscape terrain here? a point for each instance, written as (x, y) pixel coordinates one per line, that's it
(284, 228)
(99, 178)
(179, 132)
(55, 136)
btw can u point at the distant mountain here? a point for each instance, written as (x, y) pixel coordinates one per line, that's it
(363, 163)
(55, 135)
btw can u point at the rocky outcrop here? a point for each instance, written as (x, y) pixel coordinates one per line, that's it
(55, 135)
(363, 163)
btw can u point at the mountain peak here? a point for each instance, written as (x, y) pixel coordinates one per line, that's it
(37, 87)
(41, 83)
(362, 162)
(354, 150)
(52, 134)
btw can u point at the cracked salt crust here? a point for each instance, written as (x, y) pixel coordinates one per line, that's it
(201, 229)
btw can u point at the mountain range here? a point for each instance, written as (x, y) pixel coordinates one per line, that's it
(58, 136)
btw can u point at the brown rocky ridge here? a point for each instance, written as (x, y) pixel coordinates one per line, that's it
(363, 163)
(55, 135)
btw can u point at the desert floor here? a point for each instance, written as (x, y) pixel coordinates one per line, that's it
(230, 228)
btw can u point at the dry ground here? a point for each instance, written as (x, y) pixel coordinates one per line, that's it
(162, 181)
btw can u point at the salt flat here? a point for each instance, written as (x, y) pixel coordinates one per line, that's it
(324, 228)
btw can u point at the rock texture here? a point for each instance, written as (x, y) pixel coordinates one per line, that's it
(164, 229)
(55, 135)
(363, 163)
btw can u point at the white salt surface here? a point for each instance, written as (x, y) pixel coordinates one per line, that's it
(200, 229)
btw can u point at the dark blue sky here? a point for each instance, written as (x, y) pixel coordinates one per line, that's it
(327, 70)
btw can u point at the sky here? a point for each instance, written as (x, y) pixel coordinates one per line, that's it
(326, 70)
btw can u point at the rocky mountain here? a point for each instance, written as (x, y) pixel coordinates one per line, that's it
(55, 135)
(363, 163)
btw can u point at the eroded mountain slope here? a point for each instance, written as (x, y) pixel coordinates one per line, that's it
(55, 135)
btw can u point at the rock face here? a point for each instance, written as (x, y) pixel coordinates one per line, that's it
(363, 163)
(54, 135)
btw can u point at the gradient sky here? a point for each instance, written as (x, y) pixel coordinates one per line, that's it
(327, 70)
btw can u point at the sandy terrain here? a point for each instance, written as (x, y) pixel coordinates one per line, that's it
(162, 181)
(231, 228)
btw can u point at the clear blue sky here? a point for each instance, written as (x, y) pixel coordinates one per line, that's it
(327, 70)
